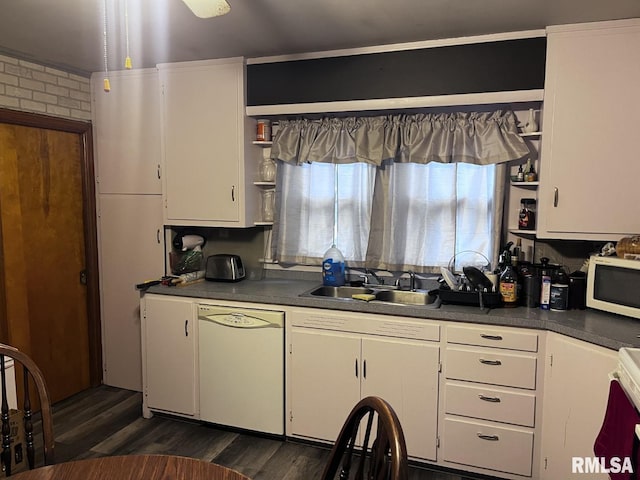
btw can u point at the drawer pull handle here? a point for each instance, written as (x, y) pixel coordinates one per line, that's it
(490, 362)
(492, 438)
(489, 399)
(491, 337)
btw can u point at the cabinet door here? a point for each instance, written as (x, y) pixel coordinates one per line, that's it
(170, 337)
(203, 130)
(405, 373)
(325, 382)
(576, 389)
(588, 174)
(131, 250)
(127, 132)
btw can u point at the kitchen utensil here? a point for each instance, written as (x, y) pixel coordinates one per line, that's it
(479, 281)
(450, 278)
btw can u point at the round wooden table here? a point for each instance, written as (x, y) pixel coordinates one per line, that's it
(133, 467)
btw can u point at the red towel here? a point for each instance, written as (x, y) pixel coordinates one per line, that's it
(617, 437)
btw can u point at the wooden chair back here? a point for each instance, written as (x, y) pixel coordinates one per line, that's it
(363, 454)
(29, 370)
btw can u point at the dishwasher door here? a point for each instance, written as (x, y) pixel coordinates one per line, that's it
(241, 356)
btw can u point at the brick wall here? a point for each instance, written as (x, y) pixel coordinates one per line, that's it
(30, 87)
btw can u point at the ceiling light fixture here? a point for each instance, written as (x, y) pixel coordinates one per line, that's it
(208, 8)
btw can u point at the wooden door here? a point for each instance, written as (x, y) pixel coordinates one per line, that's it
(47, 310)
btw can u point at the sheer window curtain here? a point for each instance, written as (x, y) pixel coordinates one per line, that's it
(307, 210)
(435, 183)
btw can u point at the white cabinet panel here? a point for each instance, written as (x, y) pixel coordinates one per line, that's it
(325, 382)
(489, 336)
(131, 250)
(588, 177)
(206, 141)
(170, 342)
(127, 132)
(490, 403)
(504, 449)
(491, 366)
(576, 389)
(405, 374)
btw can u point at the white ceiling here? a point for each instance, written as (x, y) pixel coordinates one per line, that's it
(69, 33)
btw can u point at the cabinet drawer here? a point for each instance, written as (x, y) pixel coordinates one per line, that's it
(494, 404)
(493, 337)
(489, 366)
(483, 445)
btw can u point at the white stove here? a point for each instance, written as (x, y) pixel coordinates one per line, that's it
(628, 374)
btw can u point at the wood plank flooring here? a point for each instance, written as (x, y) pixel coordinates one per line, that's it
(108, 421)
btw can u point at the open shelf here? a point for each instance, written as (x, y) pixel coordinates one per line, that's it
(530, 134)
(528, 233)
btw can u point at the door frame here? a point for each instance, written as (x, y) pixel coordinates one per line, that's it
(85, 132)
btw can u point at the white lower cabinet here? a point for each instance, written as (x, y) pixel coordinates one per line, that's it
(337, 359)
(170, 356)
(490, 408)
(576, 388)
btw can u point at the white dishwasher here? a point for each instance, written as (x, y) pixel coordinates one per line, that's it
(242, 367)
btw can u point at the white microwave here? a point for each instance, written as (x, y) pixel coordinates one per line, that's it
(613, 285)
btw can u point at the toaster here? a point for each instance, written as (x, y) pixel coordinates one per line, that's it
(224, 267)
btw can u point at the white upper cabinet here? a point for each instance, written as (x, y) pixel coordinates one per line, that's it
(127, 132)
(207, 140)
(590, 168)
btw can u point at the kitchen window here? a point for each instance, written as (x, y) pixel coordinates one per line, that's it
(413, 190)
(434, 211)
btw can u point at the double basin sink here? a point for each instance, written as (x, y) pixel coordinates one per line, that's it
(381, 293)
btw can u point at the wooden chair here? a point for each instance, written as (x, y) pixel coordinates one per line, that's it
(30, 369)
(379, 457)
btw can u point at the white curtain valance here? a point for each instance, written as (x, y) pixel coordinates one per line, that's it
(480, 138)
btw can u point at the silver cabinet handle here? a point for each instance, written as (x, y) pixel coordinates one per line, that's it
(491, 337)
(490, 362)
(492, 438)
(489, 399)
(158, 236)
(356, 368)
(364, 369)
(233, 193)
(186, 328)
(555, 196)
(158, 171)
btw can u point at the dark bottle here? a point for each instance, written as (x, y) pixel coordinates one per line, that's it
(527, 216)
(545, 284)
(509, 284)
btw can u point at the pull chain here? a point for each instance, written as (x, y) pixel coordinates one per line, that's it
(127, 60)
(106, 83)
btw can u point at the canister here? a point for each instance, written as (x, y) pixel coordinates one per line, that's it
(531, 291)
(578, 290)
(263, 132)
(559, 296)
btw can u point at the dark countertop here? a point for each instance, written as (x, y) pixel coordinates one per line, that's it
(607, 330)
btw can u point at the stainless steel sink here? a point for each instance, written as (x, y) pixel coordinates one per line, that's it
(405, 297)
(383, 294)
(338, 292)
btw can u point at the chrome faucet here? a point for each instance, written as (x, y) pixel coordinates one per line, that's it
(412, 280)
(379, 279)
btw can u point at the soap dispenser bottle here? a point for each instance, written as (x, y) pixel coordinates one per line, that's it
(333, 267)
